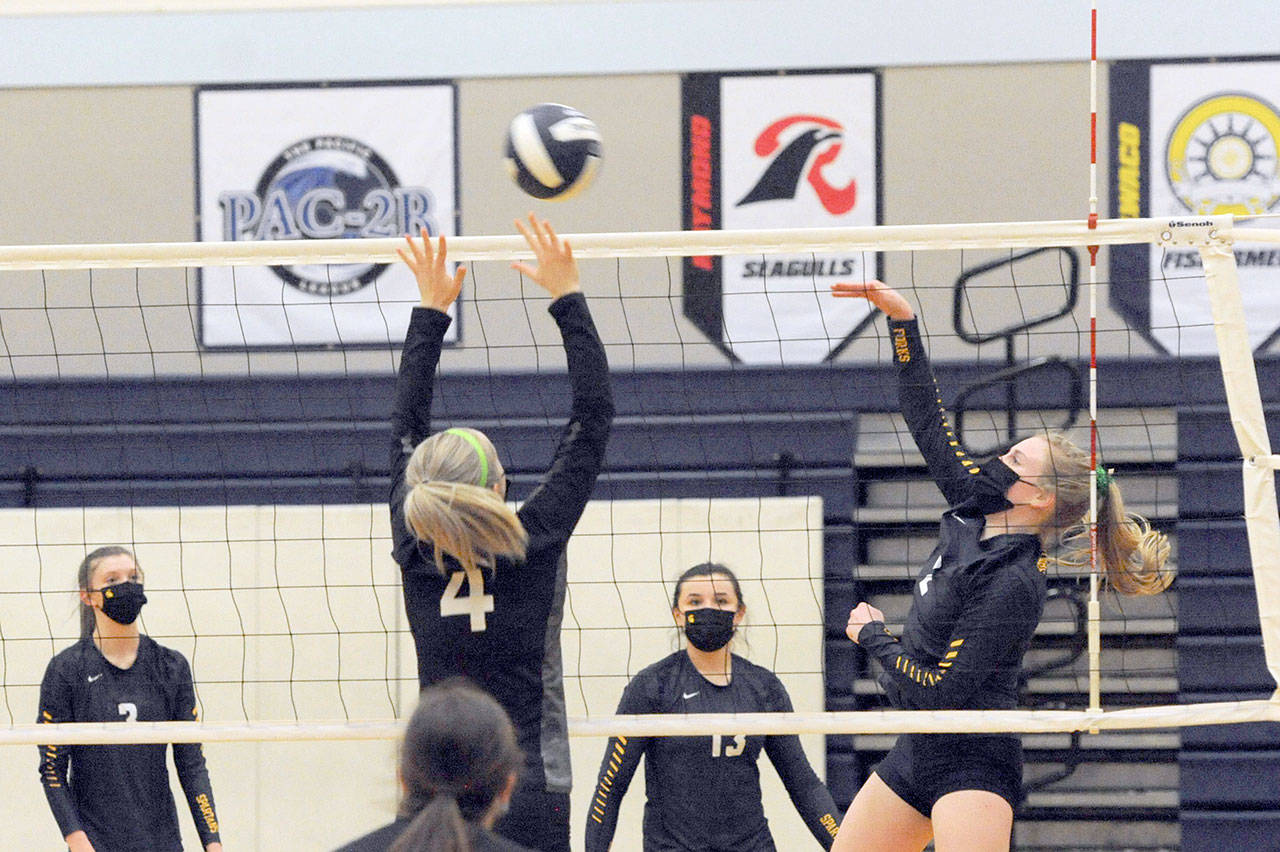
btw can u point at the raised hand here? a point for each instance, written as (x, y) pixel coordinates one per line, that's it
(437, 288)
(859, 617)
(557, 271)
(877, 293)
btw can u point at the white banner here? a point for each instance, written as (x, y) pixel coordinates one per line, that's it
(797, 151)
(320, 162)
(1215, 136)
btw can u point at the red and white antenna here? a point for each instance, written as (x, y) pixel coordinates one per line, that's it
(1094, 610)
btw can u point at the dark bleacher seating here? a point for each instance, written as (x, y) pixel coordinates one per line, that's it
(1230, 781)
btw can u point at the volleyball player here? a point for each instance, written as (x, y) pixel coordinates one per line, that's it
(117, 797)
(458, 766)
(703, 793)
(974, 610)
(483, 585)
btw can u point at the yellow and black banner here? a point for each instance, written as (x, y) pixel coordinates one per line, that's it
(1190, 139)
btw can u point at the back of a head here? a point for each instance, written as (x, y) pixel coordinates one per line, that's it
(458, 755)
(452, 504)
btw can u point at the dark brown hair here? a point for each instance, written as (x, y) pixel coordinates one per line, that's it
(706, 569)
(458, 755)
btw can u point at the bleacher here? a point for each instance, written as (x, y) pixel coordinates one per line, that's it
(1230, 786)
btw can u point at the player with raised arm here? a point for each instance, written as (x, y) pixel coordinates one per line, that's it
(484, 585)
(974, 611)
(115, 797)
(703, 793)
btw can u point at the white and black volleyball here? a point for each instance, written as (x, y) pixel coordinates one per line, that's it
(553, 151)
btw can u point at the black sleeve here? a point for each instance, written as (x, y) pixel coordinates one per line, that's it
(411, 413)
(555, 506)
(921, 403)
(56, 706)
(1000, 613)
(188, 758)
(621, 758)
(810, 796)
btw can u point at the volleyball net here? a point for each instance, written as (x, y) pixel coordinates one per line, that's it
(233, 434)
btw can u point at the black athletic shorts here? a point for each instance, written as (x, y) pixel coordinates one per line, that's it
(538, 819)
(922, 768)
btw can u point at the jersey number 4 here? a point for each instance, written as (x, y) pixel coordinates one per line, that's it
(475, 603)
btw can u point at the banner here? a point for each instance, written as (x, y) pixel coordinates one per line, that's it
(779, 151)
(319, 162)
(1193, 139)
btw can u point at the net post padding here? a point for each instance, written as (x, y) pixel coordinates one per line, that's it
(1262, 521)
(614, 245)
(690, 724)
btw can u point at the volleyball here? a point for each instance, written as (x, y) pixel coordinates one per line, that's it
(553, 151)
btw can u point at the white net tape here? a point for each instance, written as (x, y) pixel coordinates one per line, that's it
(1198, 232)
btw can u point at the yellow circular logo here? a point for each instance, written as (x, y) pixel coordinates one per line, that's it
(1222, 156)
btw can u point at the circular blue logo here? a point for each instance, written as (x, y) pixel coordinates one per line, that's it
(327, 187)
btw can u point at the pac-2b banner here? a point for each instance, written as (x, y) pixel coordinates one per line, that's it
(320, 162)
(799, 150)
(1191, 139)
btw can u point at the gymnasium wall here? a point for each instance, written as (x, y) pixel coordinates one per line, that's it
(294, 613)
(117, 165)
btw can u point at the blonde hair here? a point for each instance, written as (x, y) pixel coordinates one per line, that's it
(1132, 554)
(452, 505)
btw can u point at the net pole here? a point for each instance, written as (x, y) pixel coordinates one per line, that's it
(1094, 609)
(1249, 422)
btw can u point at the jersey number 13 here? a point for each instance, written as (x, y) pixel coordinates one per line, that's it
(720, 748)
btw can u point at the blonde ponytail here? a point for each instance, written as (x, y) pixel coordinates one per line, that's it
(1132, 554)
(450, 505)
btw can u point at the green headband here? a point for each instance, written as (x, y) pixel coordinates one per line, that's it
(475, 445)
(1102, 478)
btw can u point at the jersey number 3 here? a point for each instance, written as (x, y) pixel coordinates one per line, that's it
(475, 603)
(128, 710)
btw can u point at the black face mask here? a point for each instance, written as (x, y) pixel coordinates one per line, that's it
(991, 485)
(122, 602)
(709, 629)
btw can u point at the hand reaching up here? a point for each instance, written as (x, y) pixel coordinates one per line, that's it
(556, 271)
(437, 288)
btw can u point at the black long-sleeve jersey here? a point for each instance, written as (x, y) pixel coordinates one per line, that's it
(501, 628)
(703, 793)
(976, 603)
(119, 794)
